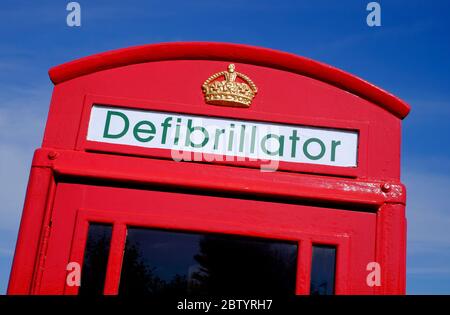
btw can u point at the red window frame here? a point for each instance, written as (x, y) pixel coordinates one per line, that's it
(352, 233)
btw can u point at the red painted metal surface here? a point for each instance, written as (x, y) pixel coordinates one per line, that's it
(361, 209)
(352, 233)
(229, 52)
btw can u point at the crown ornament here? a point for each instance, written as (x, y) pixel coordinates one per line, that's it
(229, 92)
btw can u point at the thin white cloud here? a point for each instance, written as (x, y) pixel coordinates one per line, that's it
(22, 120)
(427, 207)
(429, 271)
(428, 192)
(6, 251)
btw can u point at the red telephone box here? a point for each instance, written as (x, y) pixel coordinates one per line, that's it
(213, 168)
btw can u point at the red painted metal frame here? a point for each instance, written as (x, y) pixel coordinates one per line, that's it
(115, 79)
(366, 195)
(234, 53)
(32, 232)
(361, 127)
(289, 96)
(210, 214)
(128, 169)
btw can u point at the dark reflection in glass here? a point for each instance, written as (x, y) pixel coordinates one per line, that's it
(95, 259)
(173, 263)
(323, 270)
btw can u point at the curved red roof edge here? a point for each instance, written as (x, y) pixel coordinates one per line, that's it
(230, 52)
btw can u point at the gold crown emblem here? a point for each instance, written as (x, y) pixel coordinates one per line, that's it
(229, 92)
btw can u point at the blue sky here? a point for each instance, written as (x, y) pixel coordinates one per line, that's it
(408, 56)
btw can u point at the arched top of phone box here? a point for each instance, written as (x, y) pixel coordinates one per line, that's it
(235, 53)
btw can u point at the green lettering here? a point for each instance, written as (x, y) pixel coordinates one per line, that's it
(216, 138)
(165, 126)
(106, 133)
(137, 130)
(253, 140)
(280, 140)
(294, 138)
(231, 137)
(190, 130)
(334, 144)
(242, 138)
(310, 156)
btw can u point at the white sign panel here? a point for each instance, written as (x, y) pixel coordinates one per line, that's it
(223, 137)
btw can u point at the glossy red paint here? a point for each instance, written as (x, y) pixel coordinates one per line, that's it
(234, 53)
(257, 218)
(73, 181)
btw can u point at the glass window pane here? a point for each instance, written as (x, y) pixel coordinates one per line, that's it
(323, 270)
(160, 262)
(95, 259)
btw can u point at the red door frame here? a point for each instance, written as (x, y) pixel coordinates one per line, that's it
(194, 213)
